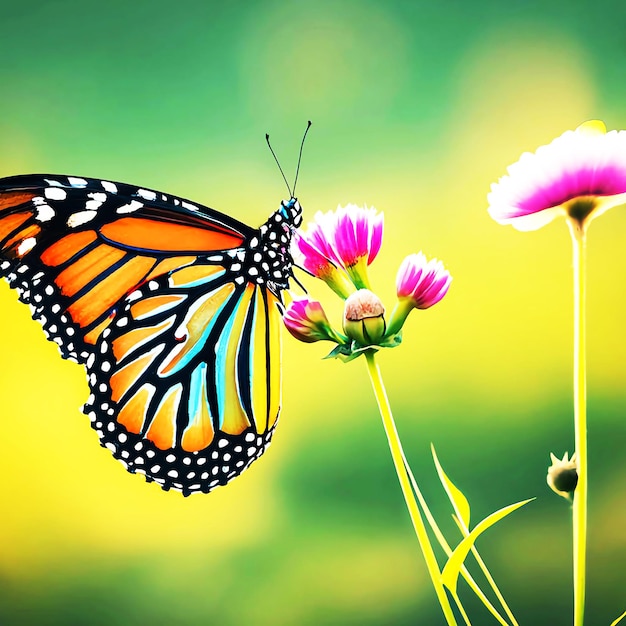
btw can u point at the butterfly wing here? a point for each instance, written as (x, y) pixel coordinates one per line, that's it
(75, 247)
(172, 308)
(185, 383)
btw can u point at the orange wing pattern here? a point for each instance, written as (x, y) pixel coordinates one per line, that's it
(188, 374)
(74, 247)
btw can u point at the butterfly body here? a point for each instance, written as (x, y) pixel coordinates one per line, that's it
(172, 308)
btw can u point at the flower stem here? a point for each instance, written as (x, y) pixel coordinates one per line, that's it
(397, 456)
(580, 422)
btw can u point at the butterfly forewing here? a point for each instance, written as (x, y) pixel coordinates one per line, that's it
(75, 247)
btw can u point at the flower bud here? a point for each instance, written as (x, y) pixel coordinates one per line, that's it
(306, 321)
(563, 475)
(363, 318)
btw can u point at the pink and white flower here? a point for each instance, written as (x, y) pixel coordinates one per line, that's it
(419, 285)
(422, 282)
(348, 238)
(579, 175)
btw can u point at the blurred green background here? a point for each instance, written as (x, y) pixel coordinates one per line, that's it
(417, 108)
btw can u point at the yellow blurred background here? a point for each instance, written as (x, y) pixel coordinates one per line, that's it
(417, 108)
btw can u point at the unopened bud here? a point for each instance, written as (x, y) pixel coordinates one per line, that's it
(363, 318)
(563, 475)
(305, 320)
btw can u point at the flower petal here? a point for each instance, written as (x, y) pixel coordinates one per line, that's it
(422, 282)
(349, 238)
(585, 163)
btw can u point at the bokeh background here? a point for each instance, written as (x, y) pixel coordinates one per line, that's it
(417, 108)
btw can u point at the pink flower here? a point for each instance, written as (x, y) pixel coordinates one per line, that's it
(338, 247)
(419, 284)
(306, 320)
(421, 281)
(358, 234)
(348, 238)
(312, 255)
(579, 175)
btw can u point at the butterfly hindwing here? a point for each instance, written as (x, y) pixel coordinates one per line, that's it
(186, 381)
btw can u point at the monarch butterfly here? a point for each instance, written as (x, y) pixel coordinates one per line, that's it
(171, 306)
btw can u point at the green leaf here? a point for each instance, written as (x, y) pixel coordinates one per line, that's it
(450, 574)
(458, 500)
(619, 619)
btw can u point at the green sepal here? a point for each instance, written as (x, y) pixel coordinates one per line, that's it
(349, 351)
(391, 342)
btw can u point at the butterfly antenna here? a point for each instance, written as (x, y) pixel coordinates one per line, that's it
(269, 145)
(295, 182)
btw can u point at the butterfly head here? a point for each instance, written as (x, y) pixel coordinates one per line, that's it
(291, 212)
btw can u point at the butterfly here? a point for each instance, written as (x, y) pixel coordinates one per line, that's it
(173, 309)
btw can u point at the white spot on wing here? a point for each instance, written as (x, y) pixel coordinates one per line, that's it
(131, 207)
(44, 213)
(107, 186)
(97, 199)
(55, 193)
(191, 207)
(147, 195)
(82, 217)
(26, 246)
(76, 182)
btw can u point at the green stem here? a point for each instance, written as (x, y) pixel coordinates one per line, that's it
(397, 456)
(492, 584)
(579, 510)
